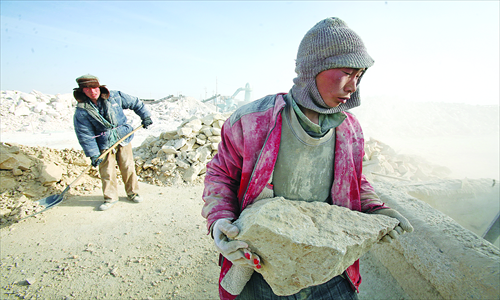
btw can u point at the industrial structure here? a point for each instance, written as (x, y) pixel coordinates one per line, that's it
(225, 103)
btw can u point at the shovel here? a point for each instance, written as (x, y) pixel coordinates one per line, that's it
(53, 200)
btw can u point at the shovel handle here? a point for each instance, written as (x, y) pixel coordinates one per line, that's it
(104, 154)
(119, 141)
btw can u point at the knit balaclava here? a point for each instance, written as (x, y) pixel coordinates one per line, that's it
(328, 45)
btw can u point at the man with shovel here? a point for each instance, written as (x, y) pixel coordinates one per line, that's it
(100, 123)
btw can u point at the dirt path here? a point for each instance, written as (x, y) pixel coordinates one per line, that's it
(157, 249)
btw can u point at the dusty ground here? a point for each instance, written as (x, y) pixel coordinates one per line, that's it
(157, 249)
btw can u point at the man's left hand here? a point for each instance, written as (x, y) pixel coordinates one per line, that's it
(403, 226)
(146, 122)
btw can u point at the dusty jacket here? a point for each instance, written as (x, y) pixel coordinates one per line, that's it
(92, 135)
(245, 161)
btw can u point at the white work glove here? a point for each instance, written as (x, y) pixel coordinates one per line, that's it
(236, 251)
(403, 226)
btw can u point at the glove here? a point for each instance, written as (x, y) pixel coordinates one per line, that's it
(236, 251)
(403, 226)
(146, 122)
(96, 161)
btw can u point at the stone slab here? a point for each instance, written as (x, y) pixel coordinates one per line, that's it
(303, 244)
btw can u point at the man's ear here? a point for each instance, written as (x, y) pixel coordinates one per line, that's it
(79, 95)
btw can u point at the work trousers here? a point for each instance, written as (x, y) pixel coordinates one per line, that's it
(124, 158)
(338, 288)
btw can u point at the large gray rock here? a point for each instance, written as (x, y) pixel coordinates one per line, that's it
(303, 244)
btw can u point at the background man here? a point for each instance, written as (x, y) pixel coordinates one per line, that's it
(99, 123)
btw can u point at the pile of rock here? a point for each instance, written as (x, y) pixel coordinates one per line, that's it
(382, 163)
(35, 112)
(180, 156)
(28, 174)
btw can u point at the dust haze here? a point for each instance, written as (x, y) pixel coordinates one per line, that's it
(461, 137)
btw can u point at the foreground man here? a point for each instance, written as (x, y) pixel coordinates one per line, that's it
(304, 146)
(99, 123)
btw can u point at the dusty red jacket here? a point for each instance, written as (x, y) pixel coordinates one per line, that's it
(245, 161)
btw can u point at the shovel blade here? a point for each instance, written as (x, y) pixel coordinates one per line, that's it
(50, 200)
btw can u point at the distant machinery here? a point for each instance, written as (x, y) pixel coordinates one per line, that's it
(226, 104)
(211, 98)
(248, 92)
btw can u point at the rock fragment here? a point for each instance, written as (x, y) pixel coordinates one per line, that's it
(303, 244)
(50, 173)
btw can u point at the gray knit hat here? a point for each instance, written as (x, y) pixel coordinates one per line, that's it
(328, 45)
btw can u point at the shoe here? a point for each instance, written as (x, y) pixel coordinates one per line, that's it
(135, 197)
(107, 205)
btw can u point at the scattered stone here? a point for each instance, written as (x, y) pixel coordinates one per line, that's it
(184, 152)
(39, 172)
(382, 163)
(303, 244)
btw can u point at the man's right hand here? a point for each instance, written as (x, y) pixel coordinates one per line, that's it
(96, 161)
(236, 251)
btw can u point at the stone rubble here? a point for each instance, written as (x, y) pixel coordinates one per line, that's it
(382, 163)
(44, 113)
(35, 112)
(303, 244)
(28, 174)
(180, 156)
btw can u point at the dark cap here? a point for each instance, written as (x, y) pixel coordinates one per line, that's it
(88, 81)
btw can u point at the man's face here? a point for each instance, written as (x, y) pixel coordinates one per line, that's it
(337, 85)
(92, 93)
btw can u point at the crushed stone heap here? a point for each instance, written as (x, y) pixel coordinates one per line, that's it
(303, 244)
(28, 174)
(35, 112)
(382, 163)
(180, 156)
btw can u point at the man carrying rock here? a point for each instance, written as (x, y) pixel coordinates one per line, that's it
(99, 123)
(304, 146)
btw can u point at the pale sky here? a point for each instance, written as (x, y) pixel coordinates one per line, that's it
(424, 51)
